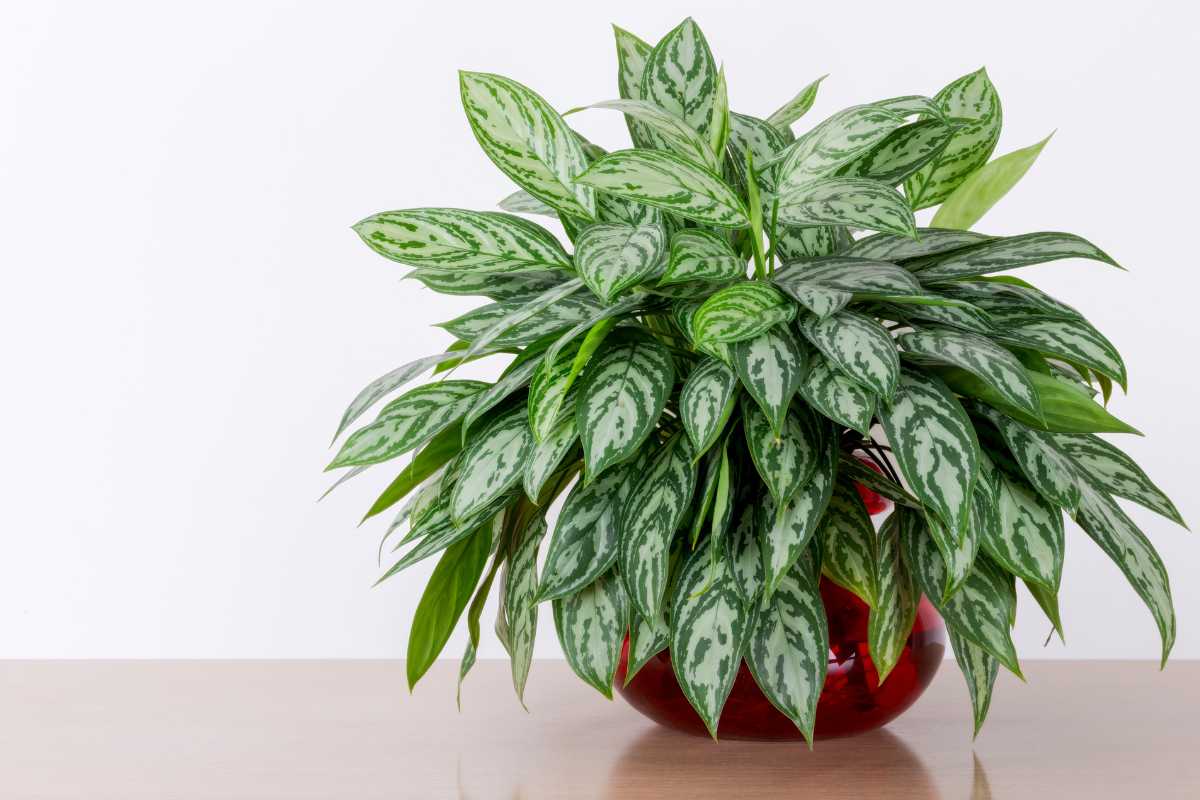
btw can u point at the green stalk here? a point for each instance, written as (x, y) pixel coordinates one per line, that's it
(756, 220)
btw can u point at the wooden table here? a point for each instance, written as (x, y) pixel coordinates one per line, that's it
(349, 729)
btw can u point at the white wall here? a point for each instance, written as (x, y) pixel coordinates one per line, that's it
(186, 311)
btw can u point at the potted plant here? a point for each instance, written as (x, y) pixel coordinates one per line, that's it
(748, 341)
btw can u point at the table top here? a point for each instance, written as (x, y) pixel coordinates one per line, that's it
(349, 729)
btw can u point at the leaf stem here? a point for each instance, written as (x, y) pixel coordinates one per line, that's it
(756, 220)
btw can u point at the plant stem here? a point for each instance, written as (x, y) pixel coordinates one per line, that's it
(771, 234)
(756, 220)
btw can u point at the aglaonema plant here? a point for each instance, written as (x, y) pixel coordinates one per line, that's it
(746, 315)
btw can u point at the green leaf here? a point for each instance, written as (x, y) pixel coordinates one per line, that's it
(705, 403)
(788, 649)
(1115, 472)
(980, 670)
(1111, 528)
(519, 581)
(979, 611)
(547, 455)
(670, 129)
(771, 366)
(527, 312)
(664, 180)
(834, 142)
(897, 598)
(901, 153)
(591, 626)
(1010, 252)
(785, 461)
(507, 286)
(524, 136)
(586, 537)
(858, 346)
(930, 241)
(408, 422)
(983, 188)
(719, 123)
(797, 107)
(1050, 471)
(709, 634)
(384, 385)
(756, 138)
(837, 397)
(492, 463)
(612, 258)
(859, 472)
(560, 315)
(441, 448)
(1028, 540)
(522, 202)
(681, 77)
(459, 241)
(935, 446)
(743, 553)
(1072, 339)
(632, 53)
(656, 507)
(991, 363)
(786, 532)
(1048, 602)
(854, 202)
(698, 255)
(517, 376)
(646, 640)
(741, 312)
(817, 298)
(971, 99)
(849, 544)
(475, 611)
(621, 397)
(445, 597)
(911, 105)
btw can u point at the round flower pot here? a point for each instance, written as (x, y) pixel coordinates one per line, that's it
(851, 702)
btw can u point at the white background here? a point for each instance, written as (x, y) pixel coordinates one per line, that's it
(186, 311)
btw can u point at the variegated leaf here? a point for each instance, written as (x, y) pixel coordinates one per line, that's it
(646, 640)
(586, 537)
(935, 446)
(991, 363)
(1111, 528)
(559, 315)
(784, 533)
(849, 544)
(857, 345)
(980, 670)
(958, 550)
(979, 611)
(612, 258)
(973, 99)
(865, 277)
(997, 255)
(853, 202)
(632, 53)
(524, 136)
(754, 137)
(621, 396)
(409, 421)
(901, 153)
(719, 123)
(509, 286)
(999, 294)
(591, 627)
(793, 243)
(522, 202)
(680, 76)
(458, 241)
(520, 582)
(837, 397)
(797, 107)
(1050, 471)
(655, 509)
(709, 633)
(676, 134)
(664, 180)
(788, 649)
(384, 385)
(743, 551)
(698, 255)
(771, 366)
(1048, 602)
(785, 461)
(706, 401)
(547, 454)
(821, 300)
(891, 619)
(1072, 339)
(964, 317)
(548, 393)
(1115, 472)
(834, 142)
(491, 464)
(930, 241)
(1028, 541)
(717, 478)
(740, 312)
(513, 379)
(527, 312)
(911, 105)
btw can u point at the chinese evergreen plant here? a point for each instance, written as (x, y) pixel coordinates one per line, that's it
(746, 315)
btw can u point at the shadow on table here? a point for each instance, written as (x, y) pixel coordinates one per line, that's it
(662, 763)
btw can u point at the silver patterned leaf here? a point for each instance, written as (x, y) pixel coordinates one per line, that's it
(561, 314)
(664, 180)
(670, 129)
(513, 379)
(491, 464)
(653, 512)
(1011, 252)
(998, 294)
(1028, 540)
(901, 153)
(1072, 339)
(786, 532)
(506, 286)
(851, 202)
(832, 143)
(858, 346)
(891, 619)
(528, 311)
(930, 241)
(524, 136)
(860, 276)
(519, 581)
(836, 396)
(621, 396)
(1115, 472)
(973, 99)
(797, 107)
(740, 312)
(770, 367)
(647, 638)
(1050, 471)
(547, 455)
(935, 446)
(522, 202)
(849, 544)
(384, 385)
(591, 627)
(709, 633)
(632, 53)
(788, 649)
(706, 401)
(680, 76)
(698, 255)
(793, 243)
(614, 257)
(785, 461)
(743, 552)
(980, 670)
(821, 300)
